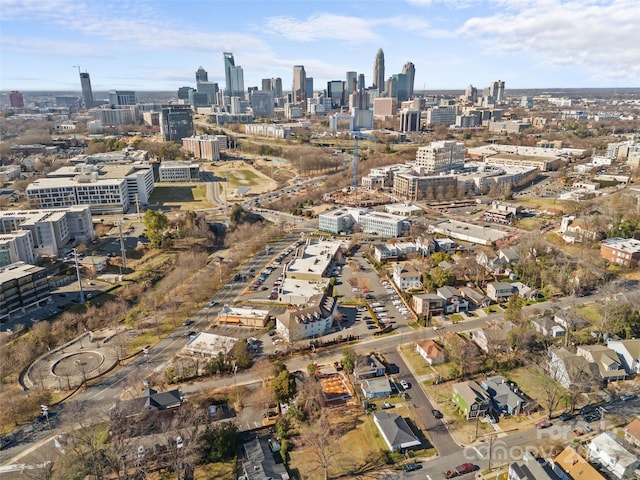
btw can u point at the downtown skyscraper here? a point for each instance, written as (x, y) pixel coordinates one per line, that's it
(409, 70)
(87, 93)
(378, 71)
(234, 77)
(299, 83)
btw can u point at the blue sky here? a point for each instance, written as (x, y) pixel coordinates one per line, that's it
(159, 44)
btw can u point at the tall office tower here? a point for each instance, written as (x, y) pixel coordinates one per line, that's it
(308, 88)
(87, 93)
(183, 93)
(378, 71)
(299, 84)
(276, 86)
(210, 88)
(119, 98)
(234, 77)
(397, 87)
(352, 82)
(16, 100)
(409, 70)
(471, 94)
(335, 90)
(266, 85)
(496, 90)
(202, 75)
(176, 122)
(361, 84)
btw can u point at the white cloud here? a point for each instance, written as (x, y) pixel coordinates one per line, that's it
(602, 36)
(321, 26)
(50, 47)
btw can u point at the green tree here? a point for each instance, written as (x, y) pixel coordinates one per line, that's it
(156, 225)
(442, 277)
(218, 442)
(438, 257)
(513, 313)
(284, 386)
(236, 213)
(348, 359)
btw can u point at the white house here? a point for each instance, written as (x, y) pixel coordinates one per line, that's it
(499, 291)
(607, 450)
(406, 277)
(629, 353)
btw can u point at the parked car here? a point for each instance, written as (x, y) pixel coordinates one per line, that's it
(461, 470)
(437, 413)
(592, 417)
(491, 418)
(627, 396)
(404, 384)
(186, 323)
(543, 424)
(565, 417)
(410, 467)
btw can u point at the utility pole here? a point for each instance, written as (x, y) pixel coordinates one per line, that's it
(122, 250)
(75, 256)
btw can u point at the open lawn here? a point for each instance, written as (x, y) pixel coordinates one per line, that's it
(418, 364)
(589, 312)
(184, 196)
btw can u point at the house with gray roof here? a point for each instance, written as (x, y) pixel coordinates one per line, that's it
(571, 370)
(629, 353)
(499, 291)
(547, 327)
(474, 297)
(259, 463)
(395, 431)
(471, 399)
(503, 398)
(376, 387)
(608, 451)
(153, 399)
(454, 301)
(368, 366)
(606, 360)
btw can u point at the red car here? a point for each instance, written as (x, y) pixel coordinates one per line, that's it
(461, 470)
(543, 424)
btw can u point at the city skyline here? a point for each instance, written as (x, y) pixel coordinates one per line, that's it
(451, 43)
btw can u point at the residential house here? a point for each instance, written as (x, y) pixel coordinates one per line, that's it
(632, 432)
(93, 264)
(425, 245)
(258, 461)
(607, 361)
(368, 366)
(491, 262)
(406, 277)
(385, 252)
(470, 399)
(629, 353)
(428, 304)
(503, 398)
(577, 230)
(499, 291)
(433, 353)
(570, 370)
(308, 322)
(395, 431)
(509, 255)
(570, 465)
(546, 326)
(445, 245)
(376, 387)
(152, 399)
(530, 468)
(524, 291)
(569, 320)
(474, 297)
(454, 301)
(493, 334)
(607, 450)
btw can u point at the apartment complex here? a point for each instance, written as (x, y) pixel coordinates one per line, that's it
(341, 220)
(22, 286)
(441, 157)
(16, 246)
(207, 147)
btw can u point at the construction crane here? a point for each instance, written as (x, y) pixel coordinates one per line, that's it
(356, 136)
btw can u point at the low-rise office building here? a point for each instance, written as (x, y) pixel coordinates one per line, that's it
(176, 171)
(22, 286)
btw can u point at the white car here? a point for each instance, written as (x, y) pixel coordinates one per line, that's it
(404, 384)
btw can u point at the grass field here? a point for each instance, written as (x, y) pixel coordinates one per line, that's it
(184, 196)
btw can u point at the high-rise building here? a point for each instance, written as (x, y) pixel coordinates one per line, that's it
(441, 157)
(352, 82)
(266, 85)
(183, 93)
(16, 100)
(397, 87)
(335, 90)
(87, 93)
(496, 90)
(202, 75)
(234, 77)
(361, 84)
(276, 86)
(308, 89)
(409, 70)
(176, 122)
(118, 98)
(378, 71)
(299, 84)
(210, 88)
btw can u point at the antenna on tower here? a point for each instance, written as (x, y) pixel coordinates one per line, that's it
(78, 67)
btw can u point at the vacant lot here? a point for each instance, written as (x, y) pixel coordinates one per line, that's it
(184, 196)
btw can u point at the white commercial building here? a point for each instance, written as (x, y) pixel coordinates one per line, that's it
(176, 171)
(440, 157)
(15, 247)
(336, 221)
(207, 147)
(52, 231)
(106, 188)
(268, 130)
(209, 345)
(379, 223)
